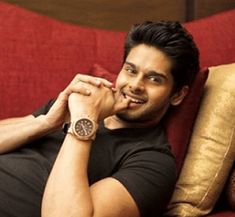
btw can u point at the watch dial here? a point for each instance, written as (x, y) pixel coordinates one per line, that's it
(84, 127)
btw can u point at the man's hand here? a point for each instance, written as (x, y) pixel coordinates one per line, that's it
(58, 113)
(100, 103)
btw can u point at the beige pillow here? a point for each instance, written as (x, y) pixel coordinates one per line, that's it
(211, 150)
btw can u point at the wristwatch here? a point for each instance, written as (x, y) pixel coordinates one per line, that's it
(83, 128)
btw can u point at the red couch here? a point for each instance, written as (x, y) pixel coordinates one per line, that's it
(39, 56)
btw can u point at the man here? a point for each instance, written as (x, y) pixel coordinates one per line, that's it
(113, 159)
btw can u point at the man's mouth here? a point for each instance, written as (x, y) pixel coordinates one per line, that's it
(134, 99)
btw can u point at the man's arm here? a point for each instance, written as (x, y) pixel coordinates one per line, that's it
(15, 132)
(67, 192)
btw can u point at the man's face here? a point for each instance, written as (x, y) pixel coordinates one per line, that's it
(146, 80)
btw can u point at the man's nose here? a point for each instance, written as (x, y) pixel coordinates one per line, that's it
(137, 84)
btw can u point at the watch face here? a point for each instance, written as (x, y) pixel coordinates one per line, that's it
(84, 127)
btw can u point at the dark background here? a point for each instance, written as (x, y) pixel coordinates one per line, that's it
(120, 14)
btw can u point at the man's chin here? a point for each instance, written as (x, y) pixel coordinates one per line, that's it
(128, 118)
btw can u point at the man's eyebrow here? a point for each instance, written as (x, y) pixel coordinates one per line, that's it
(130, 64)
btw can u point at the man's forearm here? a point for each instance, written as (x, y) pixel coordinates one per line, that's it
(18, 131)
(67, 191)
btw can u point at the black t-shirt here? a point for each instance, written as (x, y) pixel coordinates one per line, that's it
(139, 158)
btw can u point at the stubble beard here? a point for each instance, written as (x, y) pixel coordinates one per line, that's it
(134, 118)
(152, 115)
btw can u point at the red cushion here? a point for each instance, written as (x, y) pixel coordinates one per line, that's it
(180, 120)
(99, 71)
(39, 56)
(215, 38)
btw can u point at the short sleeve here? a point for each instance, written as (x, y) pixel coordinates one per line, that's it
(149, 176)
(44, 109)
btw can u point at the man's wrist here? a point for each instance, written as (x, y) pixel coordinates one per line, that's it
(90, 115)
(44, 124)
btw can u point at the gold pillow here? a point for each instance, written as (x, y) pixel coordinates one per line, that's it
(211, 150)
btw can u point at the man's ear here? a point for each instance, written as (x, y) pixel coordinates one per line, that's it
(178, 97)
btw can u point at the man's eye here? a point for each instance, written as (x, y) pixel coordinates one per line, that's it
(156, 79)
(130, 70)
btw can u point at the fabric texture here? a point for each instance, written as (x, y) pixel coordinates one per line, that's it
(100, 71)
(212, 148)
(39, 56)
(215, 38)
(141, 160)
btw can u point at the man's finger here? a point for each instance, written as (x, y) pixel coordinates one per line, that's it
(123, 104)
(78, 88)
(96, 81)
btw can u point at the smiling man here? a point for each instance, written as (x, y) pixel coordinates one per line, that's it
(114, 159)
(146, 80)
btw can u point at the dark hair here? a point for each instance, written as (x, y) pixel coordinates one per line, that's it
(172, 39)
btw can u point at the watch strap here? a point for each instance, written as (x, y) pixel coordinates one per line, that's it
(66, 127)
